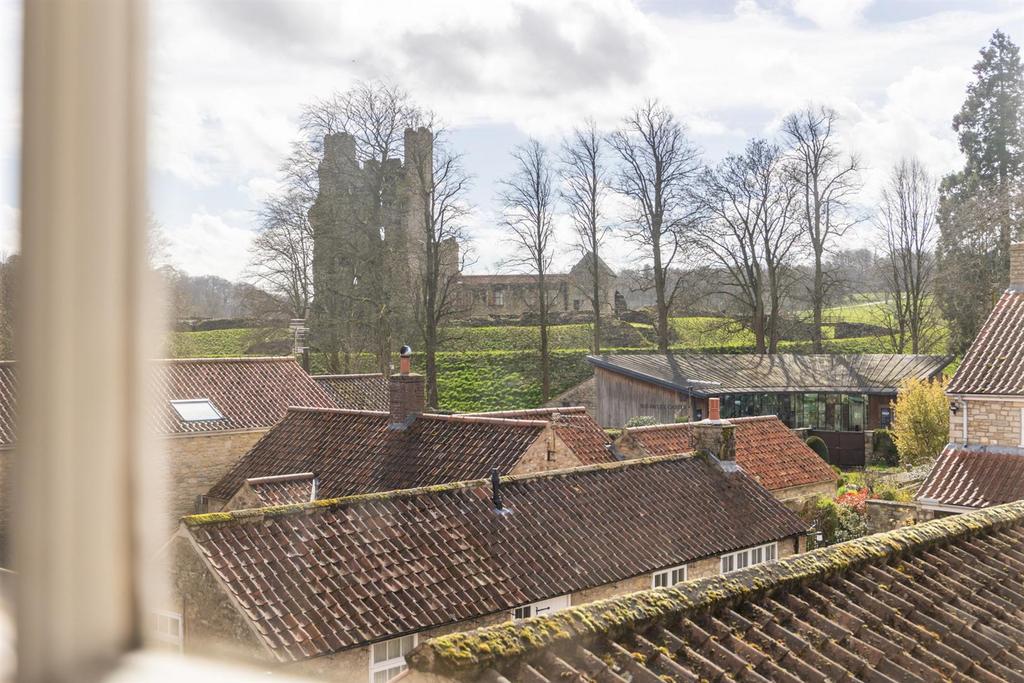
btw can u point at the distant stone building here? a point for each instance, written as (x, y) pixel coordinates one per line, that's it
(368, 252)
(515, 295)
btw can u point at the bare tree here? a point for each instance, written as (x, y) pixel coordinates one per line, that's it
(750, 234)
(439, 185)
(527, 198)
(906, 218)
(658, 168)
(584, 185)
(827, 180)
(282, 254)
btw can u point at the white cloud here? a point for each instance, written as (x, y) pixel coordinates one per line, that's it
(831, 14)
(207, 244)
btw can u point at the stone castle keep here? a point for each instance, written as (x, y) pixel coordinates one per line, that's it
(367, 224)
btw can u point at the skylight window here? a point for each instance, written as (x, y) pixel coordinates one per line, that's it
(196, 410)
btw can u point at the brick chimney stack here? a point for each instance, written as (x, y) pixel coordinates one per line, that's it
(406, 392)
(1017, 266)
(714, 435)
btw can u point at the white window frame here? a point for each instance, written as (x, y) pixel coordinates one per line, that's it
(178, 404)
(749, 557)
(393, 663)
(541, 607)
(664, 578)
(177, 639)
(499, 297)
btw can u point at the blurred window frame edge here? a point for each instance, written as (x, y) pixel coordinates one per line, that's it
(83, 521)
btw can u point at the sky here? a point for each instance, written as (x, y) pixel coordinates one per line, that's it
(230, 77)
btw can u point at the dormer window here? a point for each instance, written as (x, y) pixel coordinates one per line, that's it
(196, 410)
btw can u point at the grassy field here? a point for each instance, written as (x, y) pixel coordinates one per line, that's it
(494, 368)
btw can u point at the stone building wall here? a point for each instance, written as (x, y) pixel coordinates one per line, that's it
(800, 498)
(548, 452)
(886, 515)
(989, 423)
(196, 462)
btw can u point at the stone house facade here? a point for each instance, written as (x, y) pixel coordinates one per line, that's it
(983, 464)
(342, 589)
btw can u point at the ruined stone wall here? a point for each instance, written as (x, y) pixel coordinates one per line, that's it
(886, 515)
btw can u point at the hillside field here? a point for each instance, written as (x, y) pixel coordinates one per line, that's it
(496, 368)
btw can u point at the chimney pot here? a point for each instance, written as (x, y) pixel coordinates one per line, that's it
(406, 392)
(1017, 266)
(714, 409)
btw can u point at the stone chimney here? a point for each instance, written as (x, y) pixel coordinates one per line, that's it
(1017, 266)
(406, 392)
(714, 435)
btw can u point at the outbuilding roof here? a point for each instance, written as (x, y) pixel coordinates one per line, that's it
(334, 574)
(766, 449)
(248, 393)
(939, 601)
(714, 374)
(356, 392)
(974, 476)
(995, 362)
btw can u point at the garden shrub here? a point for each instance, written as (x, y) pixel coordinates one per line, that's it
(884, 448)
(641, 421)
(816, 444)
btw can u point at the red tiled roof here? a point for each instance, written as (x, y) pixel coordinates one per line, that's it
(938, 601)
(251, 393)
(8, 392)
(995, 362)
(357, 392)
(973, 476)
(574, 426)
(765, 448)
(354, 452)
(330, 576)
(288, 489)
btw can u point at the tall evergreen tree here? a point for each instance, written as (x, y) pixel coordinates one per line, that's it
(980, 208)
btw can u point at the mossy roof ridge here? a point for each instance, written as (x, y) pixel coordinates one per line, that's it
(491, 647)
(258, 514)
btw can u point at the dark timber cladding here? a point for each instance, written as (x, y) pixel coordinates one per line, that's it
(939, 601)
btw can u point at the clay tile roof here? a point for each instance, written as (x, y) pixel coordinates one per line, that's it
(251, 393)
(353, 451)
(574, 426)
(356, 392)
(713, 374)
(765, 448)
(995, 362)
(939, 601)
(974, 476)
(378, 566)
(8, 391)
(287, 489)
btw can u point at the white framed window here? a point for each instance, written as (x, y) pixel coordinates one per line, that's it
(387, 658)
(499, 297)
(749, 557)
(168, 629)
(196, 410)
(668, 577)
(539, 609)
